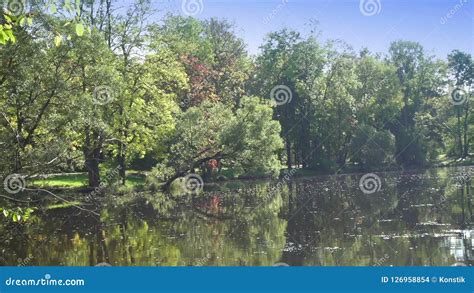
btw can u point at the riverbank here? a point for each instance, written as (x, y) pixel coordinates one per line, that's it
(78, 181)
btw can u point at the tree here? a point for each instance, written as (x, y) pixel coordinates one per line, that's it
(420, 79)
(214, 58)
(34, 104)
(372, 148)
(96, 83)
(272, 71)
(247, 140)
(461, 67)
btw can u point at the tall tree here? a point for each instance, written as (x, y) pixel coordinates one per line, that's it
(420, 79)
(461, 67)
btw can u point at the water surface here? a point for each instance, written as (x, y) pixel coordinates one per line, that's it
(416, 218)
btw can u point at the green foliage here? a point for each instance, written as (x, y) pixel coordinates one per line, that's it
(253, 138)
(420, 78)
(247, 139)
(87, 87)
(214, 58)
(10, 21)
(17, 214)
(372, 148)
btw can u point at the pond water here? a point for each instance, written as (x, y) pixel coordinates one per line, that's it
(413, 218)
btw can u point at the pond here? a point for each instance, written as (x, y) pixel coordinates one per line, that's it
(413, 218)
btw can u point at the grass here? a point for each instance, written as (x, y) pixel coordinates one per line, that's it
(134, 178)
(78, 181)
(63, 205)
(66, 180)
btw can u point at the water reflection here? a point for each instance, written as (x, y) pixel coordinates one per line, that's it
(417, 218)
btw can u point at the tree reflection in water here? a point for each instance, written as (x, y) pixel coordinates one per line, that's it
(417, 218)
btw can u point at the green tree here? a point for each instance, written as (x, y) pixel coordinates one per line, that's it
(214, 58)
(461, 67)
(372, 148)
(420, 79)
(247, 140)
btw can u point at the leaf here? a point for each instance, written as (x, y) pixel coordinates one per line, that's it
(57, 40)
(79, 29)
(29, 20)
(15, 218)
(53, 8)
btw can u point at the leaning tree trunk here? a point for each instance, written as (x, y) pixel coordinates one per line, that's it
(183, 171)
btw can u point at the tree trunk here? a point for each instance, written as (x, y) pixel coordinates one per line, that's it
(185, 170)
(121, 162)
(466, 130)
(93, 172)
(459, 133)
(92, 154)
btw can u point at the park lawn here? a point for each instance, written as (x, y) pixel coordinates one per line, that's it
(79, 180)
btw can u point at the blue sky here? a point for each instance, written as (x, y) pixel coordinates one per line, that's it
(439, 25)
